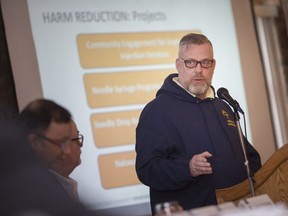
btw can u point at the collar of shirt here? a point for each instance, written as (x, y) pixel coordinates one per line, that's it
(68, 180)
(69, 184)
(209, 93)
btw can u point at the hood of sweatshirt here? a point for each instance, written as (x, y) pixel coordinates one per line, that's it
(170, 87)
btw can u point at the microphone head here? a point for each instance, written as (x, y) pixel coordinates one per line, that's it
(221, 92)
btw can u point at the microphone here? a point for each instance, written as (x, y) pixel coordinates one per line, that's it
(223, 93)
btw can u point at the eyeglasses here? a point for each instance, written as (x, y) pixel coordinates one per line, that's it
(79, 140)
(63, 145)
(191, 63)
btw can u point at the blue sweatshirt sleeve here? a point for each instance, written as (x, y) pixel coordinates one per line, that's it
(155, 166)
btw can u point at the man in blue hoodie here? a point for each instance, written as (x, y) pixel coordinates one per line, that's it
(187, 142)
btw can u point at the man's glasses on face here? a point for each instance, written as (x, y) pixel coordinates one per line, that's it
(79, 140)
(62, 145)
(191, 63)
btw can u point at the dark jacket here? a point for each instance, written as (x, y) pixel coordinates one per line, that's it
(174, 127)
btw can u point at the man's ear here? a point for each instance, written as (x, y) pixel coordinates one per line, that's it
(33, 140)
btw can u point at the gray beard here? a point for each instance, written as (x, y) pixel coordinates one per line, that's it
(198, 90)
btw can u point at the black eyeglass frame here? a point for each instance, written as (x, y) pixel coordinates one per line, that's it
(59, 144)
(197, 62)
(79, 139)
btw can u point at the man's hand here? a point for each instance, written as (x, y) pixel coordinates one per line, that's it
(198, 164)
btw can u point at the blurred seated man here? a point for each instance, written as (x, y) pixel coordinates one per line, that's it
(26, 186)
(48, 128)
(63, 168)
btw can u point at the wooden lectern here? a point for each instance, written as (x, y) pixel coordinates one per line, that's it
(270, 179)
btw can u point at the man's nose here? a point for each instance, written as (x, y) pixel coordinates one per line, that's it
(198, 68)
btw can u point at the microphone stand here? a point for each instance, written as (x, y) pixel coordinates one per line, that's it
(246, 163)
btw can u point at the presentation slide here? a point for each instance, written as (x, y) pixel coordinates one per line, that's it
(104, 60)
